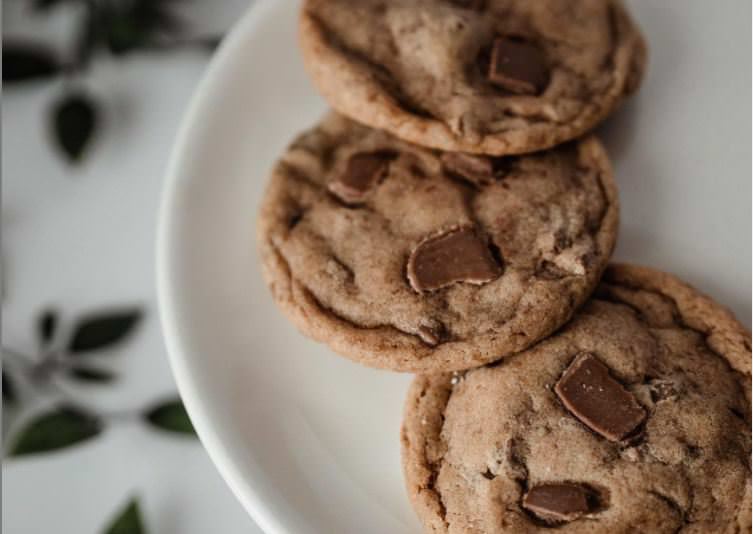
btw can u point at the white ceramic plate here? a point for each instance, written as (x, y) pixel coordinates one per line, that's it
(307, 440)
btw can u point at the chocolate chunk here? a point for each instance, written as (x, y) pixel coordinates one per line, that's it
(478, 170)
(458, 255)
(557, 501)
(518, 66)
(598, 400)
(362, 173)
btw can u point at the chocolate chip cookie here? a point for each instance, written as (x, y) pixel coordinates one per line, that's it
(496, 77)
(406, 258)
(633, 418)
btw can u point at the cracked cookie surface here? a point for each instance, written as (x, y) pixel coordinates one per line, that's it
(407, 261)
(485, 76)
(495, 450)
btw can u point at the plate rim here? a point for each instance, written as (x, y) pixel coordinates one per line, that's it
(173, 180)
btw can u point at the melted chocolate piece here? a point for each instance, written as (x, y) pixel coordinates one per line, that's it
(557, 501)
(599, 401)
(458, 255)
(362, 173)
(518, 66)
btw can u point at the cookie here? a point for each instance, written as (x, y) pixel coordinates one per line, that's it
(496, 77)
(633, 418)
(410, 259)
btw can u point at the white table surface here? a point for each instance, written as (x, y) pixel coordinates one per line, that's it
(80, 238)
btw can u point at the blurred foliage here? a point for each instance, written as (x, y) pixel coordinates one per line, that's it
(103, 330)
(171, 416)
(128, 520)
(106, 27)
(27, 61)
(66, 352)
(60, 428)
(74, 119)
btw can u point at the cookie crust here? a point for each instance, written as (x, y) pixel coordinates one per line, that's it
(339, 271)
(410, 68)
(685, 358)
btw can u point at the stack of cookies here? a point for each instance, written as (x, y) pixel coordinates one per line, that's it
(454, 218)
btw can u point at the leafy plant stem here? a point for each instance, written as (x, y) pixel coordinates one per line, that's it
(19, 358)
(43, 374)
(109, 415)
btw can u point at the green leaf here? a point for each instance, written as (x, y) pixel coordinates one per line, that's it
(56, 430)
(139, 24)
(100, 331)
(43, 5)
(128, 520)
(210, 43)
(9, 390)
(24, 61)
(91, 374)
(74, 120)
(170, 416)
(46, 326)
(124, 35)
